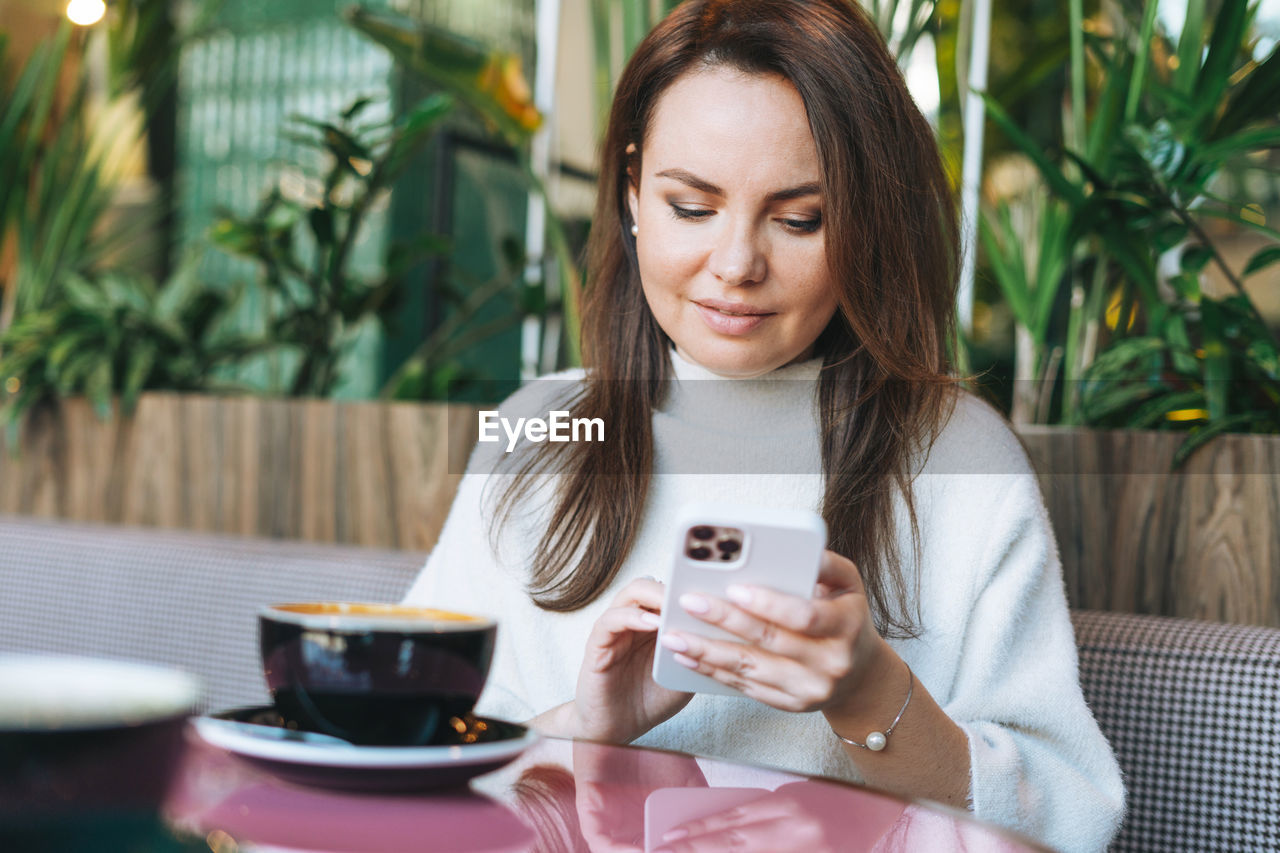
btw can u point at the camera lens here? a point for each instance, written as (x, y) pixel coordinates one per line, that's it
(702, 531)
(729, 546)
(700, 553)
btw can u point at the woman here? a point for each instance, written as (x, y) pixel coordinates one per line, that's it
(773, 218)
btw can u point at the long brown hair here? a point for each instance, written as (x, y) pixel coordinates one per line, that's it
(892, 248)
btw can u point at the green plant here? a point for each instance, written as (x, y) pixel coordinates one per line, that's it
(1028, 246)
(490, 85)
(26, 104)
(1225, 379)
(68, 325)
(55, 181)
(60, 161)
(305, 246)
(120, 334)
(433, 371)
(1139, 179)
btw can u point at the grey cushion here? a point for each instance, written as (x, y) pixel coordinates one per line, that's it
(183, 599)
(1193, 712)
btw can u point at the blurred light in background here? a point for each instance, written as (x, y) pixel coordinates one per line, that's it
(1268, 24)
(86, 13)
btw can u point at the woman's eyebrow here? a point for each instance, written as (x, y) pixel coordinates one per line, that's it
(691, 180)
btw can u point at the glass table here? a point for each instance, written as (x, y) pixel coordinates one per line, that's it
(562, 795)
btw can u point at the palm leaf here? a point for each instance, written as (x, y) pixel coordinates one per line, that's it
(1189, 47)
(1140, 62)
(1257, 99)
(1111, 399)
(1262, 259)
(1201, 435)
(1053, 175)
(1153, 412)
(1241, 142)
(1004, 253)
(1224, 47)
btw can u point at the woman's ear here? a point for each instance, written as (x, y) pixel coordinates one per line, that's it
(633, 181)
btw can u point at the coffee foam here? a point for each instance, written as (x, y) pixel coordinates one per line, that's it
(54, 692)
(399, 617)
(381, 611)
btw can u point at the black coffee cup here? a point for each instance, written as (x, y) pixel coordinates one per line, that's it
(88, 748)
(374, 674)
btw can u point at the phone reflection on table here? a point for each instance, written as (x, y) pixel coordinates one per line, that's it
(799, 816)
(579, 797)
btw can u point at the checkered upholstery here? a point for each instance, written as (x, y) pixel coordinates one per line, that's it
(182, 599)
(1193, 712)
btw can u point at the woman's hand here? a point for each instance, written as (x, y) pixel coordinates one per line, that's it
(617, 699)
(824, 654)
(612, 788)
(796, 654)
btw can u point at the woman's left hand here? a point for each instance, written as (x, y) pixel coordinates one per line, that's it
(796, 654)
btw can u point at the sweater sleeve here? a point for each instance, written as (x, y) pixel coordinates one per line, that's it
(1039, 762)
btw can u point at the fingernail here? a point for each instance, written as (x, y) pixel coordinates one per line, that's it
(675, 835)
(739, 594)
(685, 660)
(694, 603)
(675, 643)
(653, 620)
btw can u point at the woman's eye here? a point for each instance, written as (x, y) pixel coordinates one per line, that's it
(689, 212)
(802, 226)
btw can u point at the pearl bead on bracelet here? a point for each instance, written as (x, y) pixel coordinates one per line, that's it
(877, 741)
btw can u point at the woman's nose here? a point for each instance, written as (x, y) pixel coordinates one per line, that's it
(737, 257)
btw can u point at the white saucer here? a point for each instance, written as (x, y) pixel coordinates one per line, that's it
(256, 735)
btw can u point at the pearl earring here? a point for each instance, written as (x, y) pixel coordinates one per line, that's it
(635, 229)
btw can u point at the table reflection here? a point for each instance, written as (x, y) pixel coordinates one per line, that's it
(565, 796)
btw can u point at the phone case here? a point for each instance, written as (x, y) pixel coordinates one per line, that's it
(715, 546)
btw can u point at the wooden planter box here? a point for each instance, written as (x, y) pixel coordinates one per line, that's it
(363, 473)
(1203, 542)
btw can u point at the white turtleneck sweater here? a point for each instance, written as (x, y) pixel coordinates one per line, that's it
(996, 648)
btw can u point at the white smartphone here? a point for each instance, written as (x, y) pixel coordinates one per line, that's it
(717, 545)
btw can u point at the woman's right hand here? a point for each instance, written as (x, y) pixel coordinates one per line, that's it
(617, 699)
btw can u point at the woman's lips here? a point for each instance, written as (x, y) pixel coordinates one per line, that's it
(731, 320)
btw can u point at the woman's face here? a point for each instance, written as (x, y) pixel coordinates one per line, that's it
(731, 242)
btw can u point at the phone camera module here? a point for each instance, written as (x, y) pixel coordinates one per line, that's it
(708, 543)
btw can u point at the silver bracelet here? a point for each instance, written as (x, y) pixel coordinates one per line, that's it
(877, 741)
